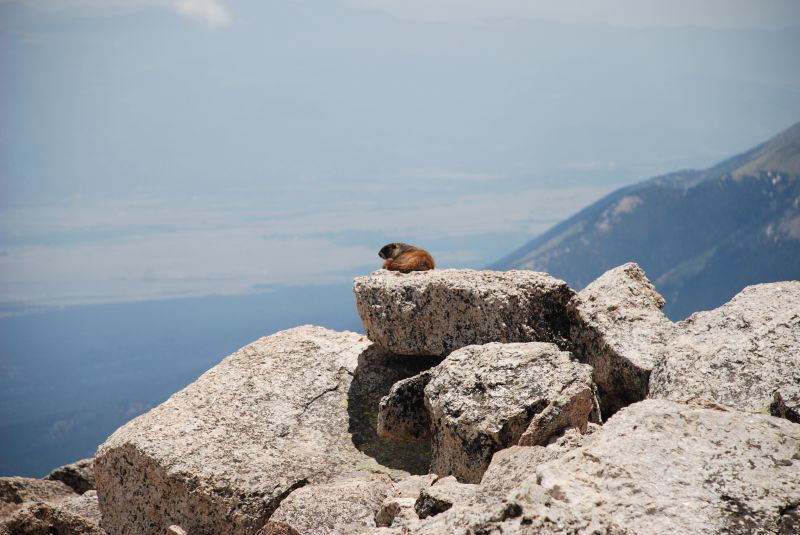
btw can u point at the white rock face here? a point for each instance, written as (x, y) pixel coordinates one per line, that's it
(621, 332)
(656, 467)
(436, 312)
(485, 398)
(744, 354)
(288, 410)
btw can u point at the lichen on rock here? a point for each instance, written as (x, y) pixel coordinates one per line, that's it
(485, 398)
(436, 312)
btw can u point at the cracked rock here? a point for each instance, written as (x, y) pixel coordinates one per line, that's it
(292, 409)
(485, 398)
(436, 312)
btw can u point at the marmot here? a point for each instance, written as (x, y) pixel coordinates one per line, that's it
(404, 258)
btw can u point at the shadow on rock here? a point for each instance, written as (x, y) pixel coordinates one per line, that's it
(373, 378)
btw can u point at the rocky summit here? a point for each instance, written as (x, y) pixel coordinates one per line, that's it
(477, 402)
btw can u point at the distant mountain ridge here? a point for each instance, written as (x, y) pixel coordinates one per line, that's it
(701, 235)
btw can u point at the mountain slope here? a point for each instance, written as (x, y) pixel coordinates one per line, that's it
(701, 236)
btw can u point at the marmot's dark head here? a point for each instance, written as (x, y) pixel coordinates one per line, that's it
(391, 250)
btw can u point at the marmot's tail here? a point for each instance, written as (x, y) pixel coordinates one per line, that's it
(414, 260)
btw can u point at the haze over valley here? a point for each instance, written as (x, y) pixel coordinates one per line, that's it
(148, 155)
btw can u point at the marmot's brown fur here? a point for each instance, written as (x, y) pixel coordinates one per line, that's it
(404, 258)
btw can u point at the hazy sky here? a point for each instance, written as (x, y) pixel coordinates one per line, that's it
(181, 147)
(634, 13)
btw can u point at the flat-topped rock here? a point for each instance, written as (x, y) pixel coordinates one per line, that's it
(436, 312)
(621, 332)
(292, 409)
(485, 398)
(744, 354)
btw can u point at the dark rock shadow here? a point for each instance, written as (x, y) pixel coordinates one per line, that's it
(374, 376)
(619, 382)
